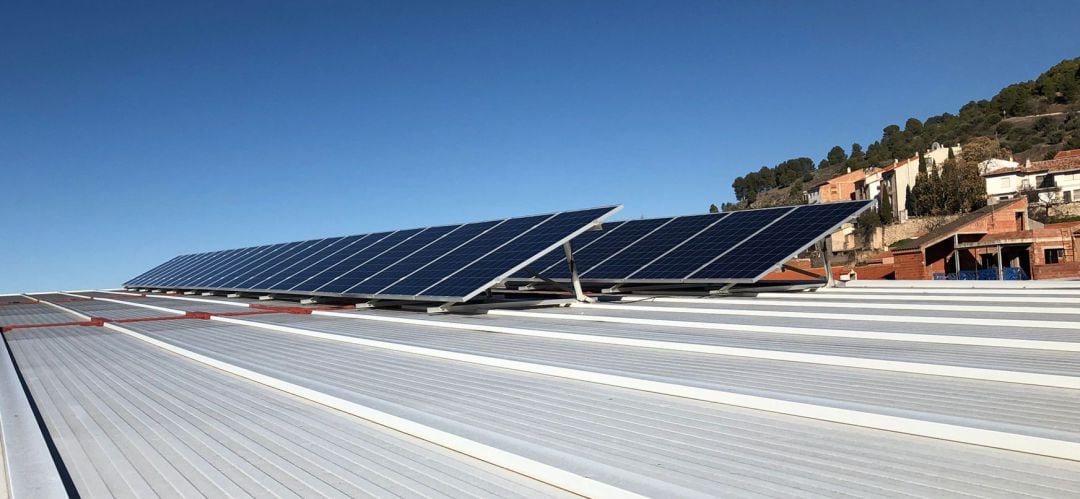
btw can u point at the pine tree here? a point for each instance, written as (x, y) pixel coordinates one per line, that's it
(837, 155)
(885, 211)
(909, 202)
(938, 197)
(950, 188)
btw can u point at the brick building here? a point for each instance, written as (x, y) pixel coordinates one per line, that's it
(846, 187)
(993, 241)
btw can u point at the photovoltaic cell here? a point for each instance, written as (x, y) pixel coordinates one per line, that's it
(651, 246)
(607, 245)
(558, 257)
(369, 268)
(702, 248)
(418, 261)
(259, 275)
(460, 257)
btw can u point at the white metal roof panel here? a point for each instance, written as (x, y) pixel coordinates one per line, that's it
(36, 313)
(853, 321)
(1031, 410)
(648, 443)
(988, 357)
(133, 420)
(110, 310)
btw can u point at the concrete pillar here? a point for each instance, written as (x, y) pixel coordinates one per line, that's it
(1001, 270)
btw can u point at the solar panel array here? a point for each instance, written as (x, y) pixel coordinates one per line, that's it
(737, 247)
(445, 263)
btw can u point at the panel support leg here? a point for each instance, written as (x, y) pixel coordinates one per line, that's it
(826, 252)
(574, 281)
(956, 254)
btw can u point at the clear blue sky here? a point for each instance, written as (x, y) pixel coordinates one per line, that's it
(133, 133)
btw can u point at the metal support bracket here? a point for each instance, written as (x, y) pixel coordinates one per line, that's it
(537, 275)
(383, 303)
(575, 282)
(804, 272)
(826, 254)
(474, 308)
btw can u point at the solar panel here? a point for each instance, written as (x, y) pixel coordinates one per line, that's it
(451, 263)
(739, 246)
(779, 241)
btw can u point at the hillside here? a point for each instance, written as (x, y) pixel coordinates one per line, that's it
(1031, 120)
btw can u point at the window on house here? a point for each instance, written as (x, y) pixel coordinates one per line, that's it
(1004, 183)
(1053, 255)
(1067, 196)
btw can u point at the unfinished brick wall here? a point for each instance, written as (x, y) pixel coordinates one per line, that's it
(1066, 270)
(909, 265)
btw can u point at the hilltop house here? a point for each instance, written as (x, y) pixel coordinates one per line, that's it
(1055, 180)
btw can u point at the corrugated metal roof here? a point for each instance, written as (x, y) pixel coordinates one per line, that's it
(3, 466)
(36, 313)
(134, 421)
(600, 400)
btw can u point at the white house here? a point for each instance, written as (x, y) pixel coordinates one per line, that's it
(1054, 180)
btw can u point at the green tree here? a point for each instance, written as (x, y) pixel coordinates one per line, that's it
(713, 208)
(767, 178)
(740, 187)
(836, 155)
(1073, 142)
(866, 224)
(971, 187)
(1061, 83)
(909, 202)
(886, 211)
(921, 198)
(857, 159)
(877, 154)
(912, 126)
